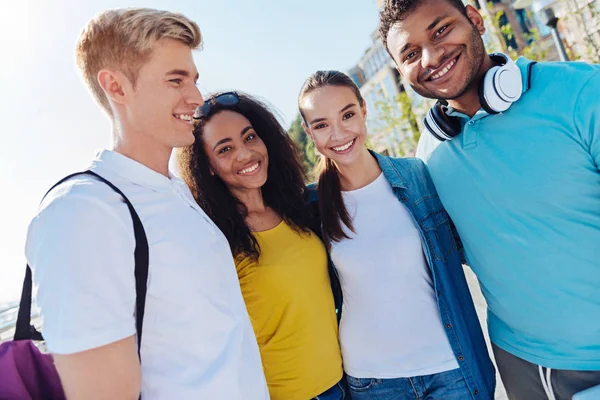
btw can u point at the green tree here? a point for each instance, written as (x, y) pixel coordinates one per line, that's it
(306, 147)
(406, 106)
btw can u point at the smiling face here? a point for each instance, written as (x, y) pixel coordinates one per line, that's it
(335, 121)
(438, 49)
(236, 153)
(165, 96)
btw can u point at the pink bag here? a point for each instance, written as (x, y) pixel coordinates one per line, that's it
(25, 372)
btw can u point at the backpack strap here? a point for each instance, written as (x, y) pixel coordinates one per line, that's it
(25, 331)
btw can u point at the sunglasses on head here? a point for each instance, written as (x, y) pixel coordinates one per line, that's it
(223, 99)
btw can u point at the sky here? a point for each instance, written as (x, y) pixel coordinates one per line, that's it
(51, 127)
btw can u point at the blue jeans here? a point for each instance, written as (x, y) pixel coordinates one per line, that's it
(336, 392)
(448, 385)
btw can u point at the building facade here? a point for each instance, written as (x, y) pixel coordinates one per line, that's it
(579, 25)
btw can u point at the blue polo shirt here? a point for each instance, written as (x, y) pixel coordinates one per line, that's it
(523, 188)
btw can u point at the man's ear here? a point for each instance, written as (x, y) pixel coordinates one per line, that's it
(476, 19)
(115, 85)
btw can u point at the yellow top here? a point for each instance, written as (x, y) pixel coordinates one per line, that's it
(289, 300)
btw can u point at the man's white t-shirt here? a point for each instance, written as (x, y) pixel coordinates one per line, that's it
(197, 340)
(391, 325)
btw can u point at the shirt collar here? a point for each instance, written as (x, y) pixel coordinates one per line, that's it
(133, 171)
(525, 65)
(464, 117)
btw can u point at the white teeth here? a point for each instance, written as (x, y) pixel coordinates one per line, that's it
(184, 117)
(249, 169)
(444, 71)
(344, 147)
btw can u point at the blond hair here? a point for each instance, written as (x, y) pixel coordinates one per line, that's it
(123, 40)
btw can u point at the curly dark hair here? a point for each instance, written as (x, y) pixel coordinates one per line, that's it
(396, 10)
(284, 190)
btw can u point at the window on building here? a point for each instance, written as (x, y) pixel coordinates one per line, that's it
(381, 93)
(376, 61)
(543, 28)
(390, 88)
(370, 103)
(381, 54)
(372, 66)
(525, 25)
(368, 70)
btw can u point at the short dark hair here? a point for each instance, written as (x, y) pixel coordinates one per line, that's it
(284, 190)
(396, 10)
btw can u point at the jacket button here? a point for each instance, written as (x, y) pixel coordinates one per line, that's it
(403, 198)
(476, 392)
(448, 326)
(461, 358)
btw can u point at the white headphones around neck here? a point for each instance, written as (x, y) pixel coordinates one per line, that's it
(502, 85)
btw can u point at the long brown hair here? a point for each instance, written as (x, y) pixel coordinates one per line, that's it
(331, 204)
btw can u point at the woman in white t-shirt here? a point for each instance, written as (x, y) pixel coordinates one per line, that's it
(408, 325)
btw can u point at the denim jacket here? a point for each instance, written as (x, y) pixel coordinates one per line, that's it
(412, 185)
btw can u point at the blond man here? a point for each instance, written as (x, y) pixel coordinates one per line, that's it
(197, 338)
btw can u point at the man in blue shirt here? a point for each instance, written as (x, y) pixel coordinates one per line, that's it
(514, 152)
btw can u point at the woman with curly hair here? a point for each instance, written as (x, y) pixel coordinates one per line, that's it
(245, 172)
